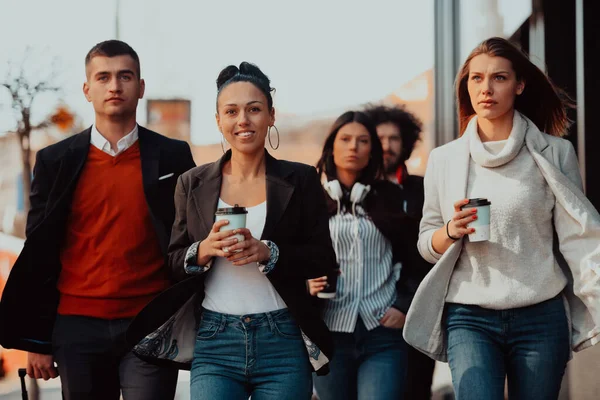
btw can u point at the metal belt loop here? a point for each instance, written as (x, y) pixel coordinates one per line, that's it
(271, 321)
(223, 322)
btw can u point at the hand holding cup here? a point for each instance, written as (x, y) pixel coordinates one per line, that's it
(458, 225)
(324, 287)
(217, 242)
(235, 216)
(480, 227)
(316, 285)
(248, 250)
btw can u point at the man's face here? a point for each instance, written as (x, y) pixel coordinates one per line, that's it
(113, 86)
(391, 142)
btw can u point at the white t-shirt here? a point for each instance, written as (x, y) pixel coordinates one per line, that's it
(240, 290)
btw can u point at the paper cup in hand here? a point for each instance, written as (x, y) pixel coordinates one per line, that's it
(236, 216)
(330, 289)
(482, 223)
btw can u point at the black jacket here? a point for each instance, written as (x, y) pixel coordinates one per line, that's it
(296, 222)
(385, 205)
(411, 196)
(30, 298)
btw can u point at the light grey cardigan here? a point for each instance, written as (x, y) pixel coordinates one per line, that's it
(576, 221)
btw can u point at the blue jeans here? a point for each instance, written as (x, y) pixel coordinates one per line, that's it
(529, 346)
(259, 355)
(366, 365)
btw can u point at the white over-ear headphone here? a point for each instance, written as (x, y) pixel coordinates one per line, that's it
(357, 194)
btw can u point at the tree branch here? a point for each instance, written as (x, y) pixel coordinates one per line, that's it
(41, 125)
(24, 85)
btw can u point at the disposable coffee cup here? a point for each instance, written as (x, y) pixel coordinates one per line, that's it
(329, 291)
(236, 216)
(482, 223)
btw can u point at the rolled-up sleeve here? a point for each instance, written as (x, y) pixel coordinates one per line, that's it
(190, 264)
(181, 248)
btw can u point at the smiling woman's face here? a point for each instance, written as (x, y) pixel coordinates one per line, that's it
(243, 116)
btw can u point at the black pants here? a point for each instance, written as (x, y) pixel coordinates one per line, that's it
(419, 375)
(95, 362)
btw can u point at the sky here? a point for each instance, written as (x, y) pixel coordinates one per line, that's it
(321, 55)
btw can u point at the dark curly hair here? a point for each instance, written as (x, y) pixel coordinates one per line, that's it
(409, 125)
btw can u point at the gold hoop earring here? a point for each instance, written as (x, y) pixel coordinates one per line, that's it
(269, 135)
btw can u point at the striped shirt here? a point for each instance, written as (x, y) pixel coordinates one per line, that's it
(367, 284)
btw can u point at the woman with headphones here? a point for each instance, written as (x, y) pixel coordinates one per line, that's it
(372, 238)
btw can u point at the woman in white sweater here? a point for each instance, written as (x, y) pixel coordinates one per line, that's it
(504, 315)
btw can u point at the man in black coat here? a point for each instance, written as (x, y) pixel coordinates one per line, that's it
(398, 131)
(97, 235)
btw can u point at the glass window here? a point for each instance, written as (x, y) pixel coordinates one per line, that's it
(481, 19)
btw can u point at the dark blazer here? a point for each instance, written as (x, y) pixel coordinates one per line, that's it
(30, 298)
(385, 206)
(296, 222)
(411, 197)
(412, 194)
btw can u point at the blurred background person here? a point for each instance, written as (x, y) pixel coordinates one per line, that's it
(399, 130)
(373, 239)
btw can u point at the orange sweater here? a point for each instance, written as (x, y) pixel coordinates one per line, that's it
(112, 265)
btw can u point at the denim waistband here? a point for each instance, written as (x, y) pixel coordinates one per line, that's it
(551, 302)
(250, 320)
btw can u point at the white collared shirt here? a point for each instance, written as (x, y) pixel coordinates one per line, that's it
(367, 284)
(123, 144)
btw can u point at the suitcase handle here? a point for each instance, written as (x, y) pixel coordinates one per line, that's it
(22, 374)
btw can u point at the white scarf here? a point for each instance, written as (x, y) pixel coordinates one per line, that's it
(513, 145)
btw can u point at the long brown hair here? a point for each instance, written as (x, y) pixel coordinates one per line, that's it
(373, 170)
(542, 102)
